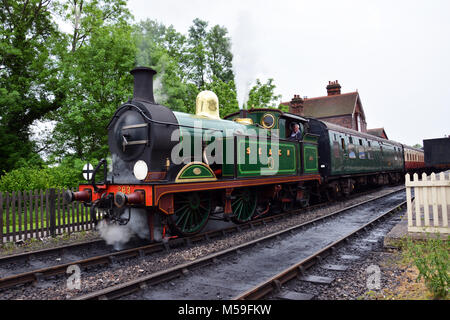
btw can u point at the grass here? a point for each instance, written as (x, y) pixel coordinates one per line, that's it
(424, 266)
(33, 244)
(431, 258)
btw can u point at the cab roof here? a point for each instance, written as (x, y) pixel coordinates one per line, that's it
(281, 113)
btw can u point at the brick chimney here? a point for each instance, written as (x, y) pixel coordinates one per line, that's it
(296, 105)
(333, 88)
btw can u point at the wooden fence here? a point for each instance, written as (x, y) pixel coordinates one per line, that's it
(38, 214)
(431, 204)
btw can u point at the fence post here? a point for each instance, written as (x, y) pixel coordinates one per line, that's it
(408, 200)
(444, 202)
(52, 200)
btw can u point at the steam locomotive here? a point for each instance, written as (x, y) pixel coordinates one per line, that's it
(244, 164)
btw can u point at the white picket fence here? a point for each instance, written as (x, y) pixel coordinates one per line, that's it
(431, 203)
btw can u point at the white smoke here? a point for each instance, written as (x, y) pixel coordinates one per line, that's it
(247, 62)
(158, 89)
(119, 235)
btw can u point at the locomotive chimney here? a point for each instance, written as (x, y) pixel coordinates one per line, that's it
(143, 84)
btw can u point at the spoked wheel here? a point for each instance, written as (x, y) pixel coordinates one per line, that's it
(191, 213)
(243, 204)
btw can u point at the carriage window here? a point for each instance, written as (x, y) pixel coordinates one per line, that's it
(368, 143)
(350, 140)
(343, 143)
(360, 142)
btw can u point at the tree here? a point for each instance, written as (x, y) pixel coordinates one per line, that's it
(219, 54)
(86, 16)
(188, 64)
(262, 95)
(164, 49)
(209, 54)
(210, 58)
(197, 52)
(99, 54)
(29, 75)
(283, 107)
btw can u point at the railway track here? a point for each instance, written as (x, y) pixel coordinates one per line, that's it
(298, 270)
(189, 283)
(60, 250)
(40, 274)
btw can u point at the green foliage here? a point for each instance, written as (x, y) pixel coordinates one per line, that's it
(201, 60)
(283, 107)
(96, 77)
(88, 16)
(162, 49)
(209, 54)
(67, 174)
(29, 84)
(432, 260)
(219, 54)
(262, 95)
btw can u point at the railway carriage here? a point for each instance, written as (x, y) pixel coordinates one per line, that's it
(414, 159)
(349, 158)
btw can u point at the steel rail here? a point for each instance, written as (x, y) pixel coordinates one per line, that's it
(177, 271)
(297, 270)
(36, 253)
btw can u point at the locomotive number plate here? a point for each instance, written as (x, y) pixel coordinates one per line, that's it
(124, 189)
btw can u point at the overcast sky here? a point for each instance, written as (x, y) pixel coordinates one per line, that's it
(395, 53)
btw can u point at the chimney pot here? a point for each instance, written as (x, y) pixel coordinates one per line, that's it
(296, 105)
(333, 88)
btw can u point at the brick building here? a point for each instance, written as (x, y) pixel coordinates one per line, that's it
(344, 109)
(379, 132)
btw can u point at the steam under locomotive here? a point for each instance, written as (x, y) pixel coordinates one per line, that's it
(179, 169)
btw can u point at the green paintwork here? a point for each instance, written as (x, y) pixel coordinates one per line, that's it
(188, 173)
(310, 154)
(255, 165)
(310, 159)
(358, 157)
